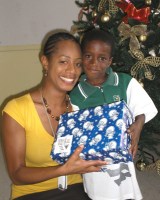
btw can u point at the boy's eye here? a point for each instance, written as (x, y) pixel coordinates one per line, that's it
(87, 56)
(102, 59)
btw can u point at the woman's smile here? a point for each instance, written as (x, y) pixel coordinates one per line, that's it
(67, 80)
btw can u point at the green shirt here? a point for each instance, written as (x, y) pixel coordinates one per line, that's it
(113, 89)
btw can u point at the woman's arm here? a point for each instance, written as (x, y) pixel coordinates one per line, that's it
(14, 143)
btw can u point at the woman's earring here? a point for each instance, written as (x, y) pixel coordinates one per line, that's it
(45, 72)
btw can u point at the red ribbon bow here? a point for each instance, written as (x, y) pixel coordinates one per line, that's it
(134, 13)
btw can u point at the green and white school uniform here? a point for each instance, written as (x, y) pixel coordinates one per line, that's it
(119, 181)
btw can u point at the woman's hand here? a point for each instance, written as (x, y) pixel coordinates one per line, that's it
(76, 165)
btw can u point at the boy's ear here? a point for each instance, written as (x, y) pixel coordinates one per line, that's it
(110, 61)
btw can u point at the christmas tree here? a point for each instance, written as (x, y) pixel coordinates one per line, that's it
(135, 25)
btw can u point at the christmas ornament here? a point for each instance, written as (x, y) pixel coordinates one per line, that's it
(94, 14)
(143, 64)
(148, 2)
(140, 165)
(142, 38)
(105, 17)
(126, 31)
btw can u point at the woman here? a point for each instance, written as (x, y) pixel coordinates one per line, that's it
(30, 123)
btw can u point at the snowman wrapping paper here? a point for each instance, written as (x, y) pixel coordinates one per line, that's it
(101, 129)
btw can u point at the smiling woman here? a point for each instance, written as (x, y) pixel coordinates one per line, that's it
(30, 123)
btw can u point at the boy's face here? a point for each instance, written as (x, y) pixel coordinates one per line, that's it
(96, 59)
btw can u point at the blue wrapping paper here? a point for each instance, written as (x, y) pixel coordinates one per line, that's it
(101, 129)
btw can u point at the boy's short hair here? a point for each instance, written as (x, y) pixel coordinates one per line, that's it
(98, 34)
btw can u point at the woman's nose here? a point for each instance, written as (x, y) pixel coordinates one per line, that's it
(71, 67)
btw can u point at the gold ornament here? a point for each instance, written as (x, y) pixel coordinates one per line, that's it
(126, 31)
(105, 17)
(148, 2)
(94, 14)
(143, 64)
(142, 38)
(140, 165)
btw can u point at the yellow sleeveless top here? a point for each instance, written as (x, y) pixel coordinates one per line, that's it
(38, 145)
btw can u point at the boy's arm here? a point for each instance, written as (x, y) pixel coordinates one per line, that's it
(135, 131)
(139, 102)
(142, 108)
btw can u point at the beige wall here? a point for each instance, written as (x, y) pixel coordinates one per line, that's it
(24, 22)
(20, 69)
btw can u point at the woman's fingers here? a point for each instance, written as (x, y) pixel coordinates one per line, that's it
(77, 165)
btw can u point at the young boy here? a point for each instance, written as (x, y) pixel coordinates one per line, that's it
(101, 85)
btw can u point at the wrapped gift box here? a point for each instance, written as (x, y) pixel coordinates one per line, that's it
(101, 129)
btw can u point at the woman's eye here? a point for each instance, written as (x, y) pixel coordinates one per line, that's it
(63, 62)
(79, 64)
